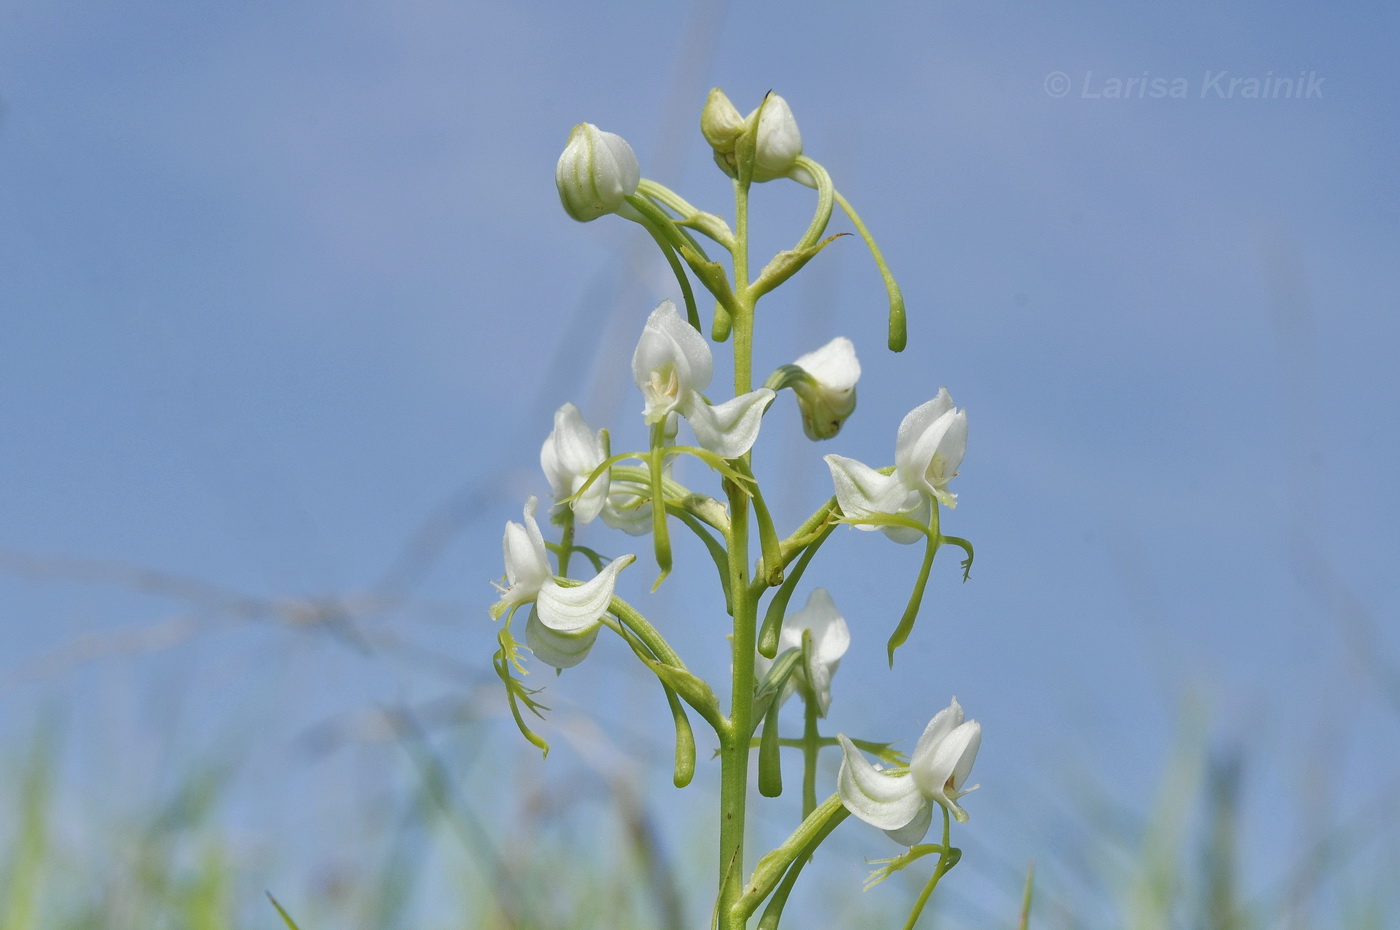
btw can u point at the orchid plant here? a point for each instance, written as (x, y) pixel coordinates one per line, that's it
(777, 652)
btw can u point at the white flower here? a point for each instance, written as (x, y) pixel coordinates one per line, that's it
(830, 640)
(672, 365)
(569, 456)
(828, 397)
(928, 450)
(779, 141)
(901, 804)
(564, 619)
(596, 174)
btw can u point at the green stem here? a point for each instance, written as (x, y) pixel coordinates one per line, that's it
(825, 194)
(811, 746)
(712, 545)
(647, 634)
(772, 574)
(815, 828)
(916, 597)
(945, 862)
(566, 542)
(644, 640)
(774, 911)
(818, 524)
(661, 539)
(777, 607)
(707, 224)
(692, 312)
(734, 746)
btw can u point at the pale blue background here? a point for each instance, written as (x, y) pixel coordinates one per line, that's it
(278, 283)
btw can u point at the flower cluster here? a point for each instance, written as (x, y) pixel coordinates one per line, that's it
(777, 653)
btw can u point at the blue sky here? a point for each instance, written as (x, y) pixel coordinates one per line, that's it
(278, 282)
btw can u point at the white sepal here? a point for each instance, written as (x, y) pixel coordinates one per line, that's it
(863, 493)
(571, 609)
(731, 428)
(830, 640)
(889, 802)
(902, 804)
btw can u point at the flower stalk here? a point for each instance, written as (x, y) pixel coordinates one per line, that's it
(791, 651)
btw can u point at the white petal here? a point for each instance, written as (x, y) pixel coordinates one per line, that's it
(944, 757)
(885, 801)
(561, 650)
(670, 361)
(944, 722)
(952, 762)
(569, 610)
(917, 421)
(527, 562)
(834, 365)
(730, 429)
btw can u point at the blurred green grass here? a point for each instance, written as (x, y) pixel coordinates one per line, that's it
(1177, 861)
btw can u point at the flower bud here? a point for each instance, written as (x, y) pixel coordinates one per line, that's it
(596, 174)
(720, 123)
(827, 395)
(779, 141)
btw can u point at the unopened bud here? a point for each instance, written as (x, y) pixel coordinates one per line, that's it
(596, 174)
